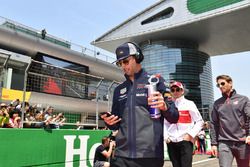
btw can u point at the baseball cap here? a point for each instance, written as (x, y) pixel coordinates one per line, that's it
(3, 105)
(176, 83)
(125, 50)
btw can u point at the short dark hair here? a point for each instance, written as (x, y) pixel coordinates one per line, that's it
(225, 77)
(104, 139)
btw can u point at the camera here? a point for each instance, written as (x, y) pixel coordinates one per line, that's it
(111, 137)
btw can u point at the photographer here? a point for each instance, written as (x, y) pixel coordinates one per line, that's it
(103, 152)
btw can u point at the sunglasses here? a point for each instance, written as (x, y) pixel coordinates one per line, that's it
(220, 84)
(175, 90)
(125, 62)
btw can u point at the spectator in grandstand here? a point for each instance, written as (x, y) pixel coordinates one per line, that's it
(58, 120)
(48, 112)
(53, 121)
(103, 152)
(15, 103)
(39, 116)
(230, 126)
(4, 115)
(29, 119)
(15, 119)
(139, 141)
(11, 107)
(40, 121)
(48, 117)
(33, 118)
(78, 125)
(180, 136)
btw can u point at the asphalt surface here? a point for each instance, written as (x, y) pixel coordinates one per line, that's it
(202, 161)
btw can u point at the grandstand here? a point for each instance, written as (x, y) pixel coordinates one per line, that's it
(73, 79)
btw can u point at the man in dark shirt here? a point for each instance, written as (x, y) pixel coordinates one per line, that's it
(139, 141)
(101, 154)
(230, 127)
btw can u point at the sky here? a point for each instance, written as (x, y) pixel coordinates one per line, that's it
(82, 21)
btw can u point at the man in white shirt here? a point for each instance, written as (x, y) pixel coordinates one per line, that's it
(180, 136)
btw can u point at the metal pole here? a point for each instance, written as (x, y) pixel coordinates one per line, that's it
(24, 93)
(4, 70)
(97, 103)
(6, 61)
(109, 94)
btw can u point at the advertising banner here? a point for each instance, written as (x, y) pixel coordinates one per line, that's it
(54, 148)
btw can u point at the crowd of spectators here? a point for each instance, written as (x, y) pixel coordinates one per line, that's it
(34, 117)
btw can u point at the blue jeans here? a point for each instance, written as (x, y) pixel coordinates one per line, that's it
(228, 150)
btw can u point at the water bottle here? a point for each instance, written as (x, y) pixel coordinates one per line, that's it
(153, 81)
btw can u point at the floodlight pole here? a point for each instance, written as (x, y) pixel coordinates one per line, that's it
(109, 94)
(24, 93)
(3, 78)
(97, 103)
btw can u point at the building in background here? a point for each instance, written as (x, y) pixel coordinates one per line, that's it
(179, 36)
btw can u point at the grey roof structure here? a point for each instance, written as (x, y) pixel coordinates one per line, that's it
(218, 27)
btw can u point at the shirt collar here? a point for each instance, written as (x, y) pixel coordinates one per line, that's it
(233, 92)
(137, 75)
(179, 99)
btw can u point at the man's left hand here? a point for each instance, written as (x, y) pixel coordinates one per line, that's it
(157, 101)
(248, 140)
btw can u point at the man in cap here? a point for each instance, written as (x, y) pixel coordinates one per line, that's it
(139, 141)
(180, 136)
(230, 126)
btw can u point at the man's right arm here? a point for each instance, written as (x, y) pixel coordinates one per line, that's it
(172, 113)
(247, 121)
(214, 129)
(214, 126)
(108, 153)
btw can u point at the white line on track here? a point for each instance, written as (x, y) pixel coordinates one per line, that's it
(205, 160)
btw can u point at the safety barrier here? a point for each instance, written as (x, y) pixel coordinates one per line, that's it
(36, 147)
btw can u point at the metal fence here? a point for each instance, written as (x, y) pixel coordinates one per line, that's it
(55, 80)
(44, 78)
(49, 79)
